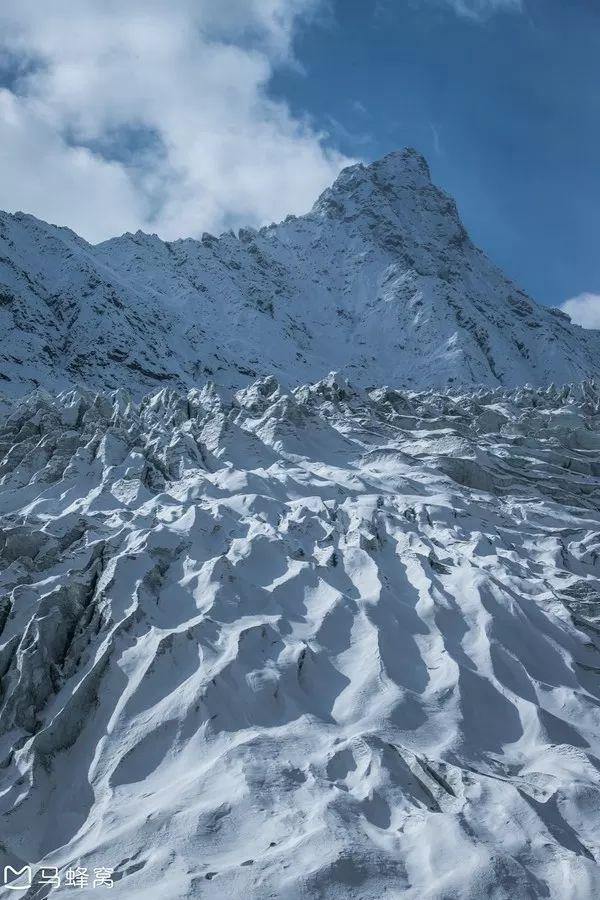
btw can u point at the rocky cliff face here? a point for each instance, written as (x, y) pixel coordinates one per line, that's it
(379, 281)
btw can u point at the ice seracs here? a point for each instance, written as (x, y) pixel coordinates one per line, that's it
(326, 642)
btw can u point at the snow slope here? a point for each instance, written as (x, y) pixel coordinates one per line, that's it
(379, 281)
(315, 643)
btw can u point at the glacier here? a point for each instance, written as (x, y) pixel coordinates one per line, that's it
(269, 630)
(323, 643)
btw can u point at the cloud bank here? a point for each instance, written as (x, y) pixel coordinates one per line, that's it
(584, 310)
(154, 114)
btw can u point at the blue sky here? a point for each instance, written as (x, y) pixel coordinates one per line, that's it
(505, 107)
(180, 116)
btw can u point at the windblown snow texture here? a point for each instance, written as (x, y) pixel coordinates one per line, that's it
(379, 281)
(312, 643)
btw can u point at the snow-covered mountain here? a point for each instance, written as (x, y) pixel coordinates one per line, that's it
(302, 636)
(309, 644)
(379, 281)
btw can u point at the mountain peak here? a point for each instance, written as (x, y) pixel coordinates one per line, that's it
(389, 176)
(379, 282)
(400, 166)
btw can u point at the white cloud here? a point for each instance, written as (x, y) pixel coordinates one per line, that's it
(40, 173)
(482, 9)
(435, 135)
(584, 310)
(154, 114)
(476, 10)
